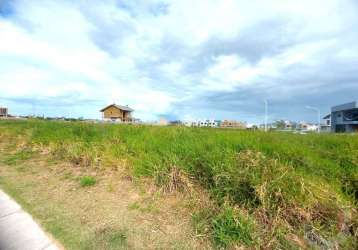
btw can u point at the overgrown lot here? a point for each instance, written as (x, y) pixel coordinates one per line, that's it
(269, 190)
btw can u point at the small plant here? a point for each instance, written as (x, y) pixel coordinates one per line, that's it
(87, 181)
(230, 227)
(134, 206)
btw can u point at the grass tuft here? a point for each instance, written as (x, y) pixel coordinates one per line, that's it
(231, 227)
(87, 181)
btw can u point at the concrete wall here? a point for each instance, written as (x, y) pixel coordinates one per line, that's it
(339, 125)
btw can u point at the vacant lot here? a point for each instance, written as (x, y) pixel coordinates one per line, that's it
(113, 186)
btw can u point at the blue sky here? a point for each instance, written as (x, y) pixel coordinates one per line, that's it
(178, 59)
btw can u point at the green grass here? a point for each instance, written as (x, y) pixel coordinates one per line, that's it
(18, 157)
(87, 181)
(283, 182)
(229, 227)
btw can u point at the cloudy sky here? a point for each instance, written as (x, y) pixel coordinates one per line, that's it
(182, 59)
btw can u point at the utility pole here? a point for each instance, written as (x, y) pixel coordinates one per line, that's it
(318, 117)
(266, 115)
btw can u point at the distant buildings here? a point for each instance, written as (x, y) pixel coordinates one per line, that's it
(233, 124)
(209, 123)
(216, 124)
(344, 118)
(3, 112)
(326, 123)
(308, 126)
(176, 123)
(283, 125)
(163, 122)
(203, 123)
(117, 113)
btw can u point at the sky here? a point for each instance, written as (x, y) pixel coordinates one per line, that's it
(187, 59)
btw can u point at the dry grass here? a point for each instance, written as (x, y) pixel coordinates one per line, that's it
(118, 212)
(272, 190)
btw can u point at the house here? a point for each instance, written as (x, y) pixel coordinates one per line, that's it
(207, 123)
(163, 122)
(326, 123)
(288, 125)
(3, 112)
(117, 113)
(344, 118)
(308, 126)
(188, 123)
(176, 123)
(232, 124)
(251, 126)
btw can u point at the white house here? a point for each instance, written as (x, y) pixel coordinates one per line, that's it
(308, 126)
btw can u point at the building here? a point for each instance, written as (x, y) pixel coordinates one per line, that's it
(305, 126)
(251, 126)
(232, 124)
(326, 123)
(188, 123)
(344, 118)
(3, 112)
(176, 123)
(163, 122)
(117, 113)
(209, 123)
(206, 123)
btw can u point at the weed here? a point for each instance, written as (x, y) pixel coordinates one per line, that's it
(18, 157)
(134, 206)
(86, 181)
(231, 227)
(202, 221)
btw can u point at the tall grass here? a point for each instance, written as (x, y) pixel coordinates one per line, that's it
(286, 184)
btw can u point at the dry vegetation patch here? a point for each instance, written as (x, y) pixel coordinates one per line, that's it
(116, 212)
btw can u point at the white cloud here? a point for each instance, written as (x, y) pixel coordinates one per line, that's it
(160, 56)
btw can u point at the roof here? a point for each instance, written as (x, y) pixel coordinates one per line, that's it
(327, 116)
(346, 106)
(125, 108)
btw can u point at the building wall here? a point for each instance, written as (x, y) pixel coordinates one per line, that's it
(3, 112)
(115, 113)
(340, 125)
(112, 112)
(203, 123)
(232, 124)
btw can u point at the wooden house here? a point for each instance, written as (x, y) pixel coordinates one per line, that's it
(117, 113)
(232, 124)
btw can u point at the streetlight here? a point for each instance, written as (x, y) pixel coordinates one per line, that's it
(266, 115)
(319, 116)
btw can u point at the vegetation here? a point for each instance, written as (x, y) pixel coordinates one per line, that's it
(275, 190)
(87, 181)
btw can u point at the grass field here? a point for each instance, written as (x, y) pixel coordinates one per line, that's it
(236, 188)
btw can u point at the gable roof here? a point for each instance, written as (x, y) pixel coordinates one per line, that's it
(327, 116)
(125, 108)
